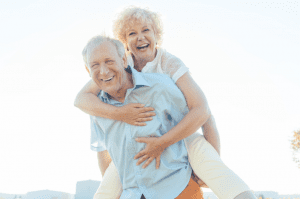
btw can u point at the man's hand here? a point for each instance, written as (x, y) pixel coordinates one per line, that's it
(153, 150)
(198, 180)
(136, 114)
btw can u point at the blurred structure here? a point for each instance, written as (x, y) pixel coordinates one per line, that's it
(295, 144)
(86, 189)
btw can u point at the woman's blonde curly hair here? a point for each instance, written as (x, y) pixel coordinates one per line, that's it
(131, 15)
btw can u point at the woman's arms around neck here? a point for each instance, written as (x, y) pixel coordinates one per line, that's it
(87, 101)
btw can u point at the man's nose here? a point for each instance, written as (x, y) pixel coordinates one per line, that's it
(103, 70)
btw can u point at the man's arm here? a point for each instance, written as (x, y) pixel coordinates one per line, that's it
(97, 144)
(104, 160)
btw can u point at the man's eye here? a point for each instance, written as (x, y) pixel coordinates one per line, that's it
(109, 61)
(146, 29)
(132, 33)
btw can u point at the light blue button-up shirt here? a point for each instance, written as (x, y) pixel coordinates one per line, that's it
(167, 182)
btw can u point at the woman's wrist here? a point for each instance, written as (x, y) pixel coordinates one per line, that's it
(117, 113)
(165, 141)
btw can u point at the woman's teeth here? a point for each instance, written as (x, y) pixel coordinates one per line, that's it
(143, 46)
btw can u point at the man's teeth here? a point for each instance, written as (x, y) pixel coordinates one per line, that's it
(108, 79)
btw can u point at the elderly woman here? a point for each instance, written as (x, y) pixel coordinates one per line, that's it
(140, 30)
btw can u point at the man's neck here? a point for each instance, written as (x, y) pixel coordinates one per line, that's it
(121, 94)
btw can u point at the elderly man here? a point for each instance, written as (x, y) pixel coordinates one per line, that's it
(121, 85)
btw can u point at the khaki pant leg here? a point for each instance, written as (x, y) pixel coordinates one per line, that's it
(110, 187)
(209, 167)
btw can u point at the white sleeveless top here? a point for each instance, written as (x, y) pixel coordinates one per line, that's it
(164, 63)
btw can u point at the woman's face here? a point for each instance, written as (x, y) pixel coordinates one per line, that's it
(141, 41)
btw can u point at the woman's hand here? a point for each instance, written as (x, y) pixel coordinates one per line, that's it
(153, 150)
(136, 114)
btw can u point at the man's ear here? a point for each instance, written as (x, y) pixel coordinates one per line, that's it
(87, 68)
(126, 47)
(124, 60)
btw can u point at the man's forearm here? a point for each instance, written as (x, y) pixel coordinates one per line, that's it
(211, 133)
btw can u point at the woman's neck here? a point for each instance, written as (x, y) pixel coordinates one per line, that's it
(140, 63)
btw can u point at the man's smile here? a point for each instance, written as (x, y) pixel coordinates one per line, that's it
(108, 79)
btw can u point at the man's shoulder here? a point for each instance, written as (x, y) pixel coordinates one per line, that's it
(161, 83)
(157, 78)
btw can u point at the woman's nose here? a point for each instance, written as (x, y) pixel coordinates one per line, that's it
(141, 36)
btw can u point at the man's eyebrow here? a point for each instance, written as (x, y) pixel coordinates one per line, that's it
(93, 62)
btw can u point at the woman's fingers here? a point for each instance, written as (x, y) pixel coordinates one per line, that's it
(140, 154)
(148, 114)
(139, 124)
(148, 162)
(142, 159)
(137, 105)
(157, 162)
(144, 119)
(146, 109)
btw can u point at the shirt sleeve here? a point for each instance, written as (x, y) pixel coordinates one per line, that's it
(173, 66)
(97, 136)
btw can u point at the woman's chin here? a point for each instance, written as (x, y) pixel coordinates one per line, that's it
(145, 55)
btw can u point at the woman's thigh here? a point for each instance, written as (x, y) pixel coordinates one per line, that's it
(209, 167)
(110, 187)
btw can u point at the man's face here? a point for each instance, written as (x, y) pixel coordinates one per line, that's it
(106, 68)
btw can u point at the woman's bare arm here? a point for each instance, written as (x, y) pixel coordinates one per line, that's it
(87, 101)
(211, 133)
(198, 115)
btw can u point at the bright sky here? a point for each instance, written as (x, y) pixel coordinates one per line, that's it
(243, 54)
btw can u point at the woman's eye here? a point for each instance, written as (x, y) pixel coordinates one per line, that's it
(109, 61)
(146, 29)
(132, 33)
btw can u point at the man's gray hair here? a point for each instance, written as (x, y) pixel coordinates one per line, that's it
(98, 40)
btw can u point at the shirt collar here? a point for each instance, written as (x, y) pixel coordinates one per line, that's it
(138, 82)
(138, 79)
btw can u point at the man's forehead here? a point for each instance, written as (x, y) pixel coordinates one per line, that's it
(106, 49)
